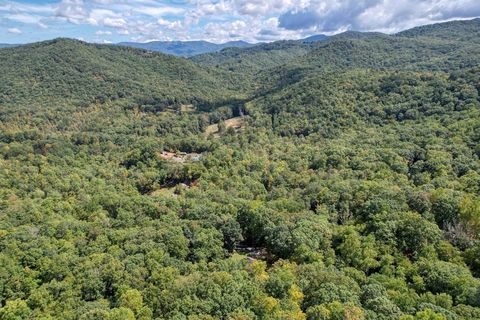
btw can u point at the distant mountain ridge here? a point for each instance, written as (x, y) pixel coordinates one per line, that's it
(455, 43)
(327, 178)
(185, 48)
(315, 38)
(7, 45)
(193, 48)
(189, 49)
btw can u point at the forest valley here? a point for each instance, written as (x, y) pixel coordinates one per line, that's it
(330, 180)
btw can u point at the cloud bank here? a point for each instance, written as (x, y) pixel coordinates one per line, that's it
(220, 20)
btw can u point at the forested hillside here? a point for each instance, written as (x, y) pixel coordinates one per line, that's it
(446, 46)
(333, 180)
(257, 58)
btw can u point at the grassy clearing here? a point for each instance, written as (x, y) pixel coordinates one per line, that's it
(236, 123)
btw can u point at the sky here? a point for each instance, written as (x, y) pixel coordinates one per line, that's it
(107, 21)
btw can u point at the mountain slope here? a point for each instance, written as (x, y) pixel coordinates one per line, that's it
(465, 30)
(344, 186)
(68, 70)
(253, 59)
(452, 44)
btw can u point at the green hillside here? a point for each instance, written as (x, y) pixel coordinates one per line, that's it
(70, 71)
(254, 59)
(446, 46)
(467, 30)
(333, 180)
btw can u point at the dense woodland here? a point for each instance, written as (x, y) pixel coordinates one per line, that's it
(354, 178)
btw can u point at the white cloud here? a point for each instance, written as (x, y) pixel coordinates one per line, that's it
(253, 29)
(249, 7)
(14, 30)
(158, 11)
(223, 20)
(374, 15)
(27, 19)
(15, 7)
(73, 11)
(103, 33)
(115, 22)
(101, 14)
(24, 18)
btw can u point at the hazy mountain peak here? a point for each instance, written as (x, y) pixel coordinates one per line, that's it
(185, 48)
(315, 38)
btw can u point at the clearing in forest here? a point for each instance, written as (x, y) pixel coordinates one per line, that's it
(236, 123)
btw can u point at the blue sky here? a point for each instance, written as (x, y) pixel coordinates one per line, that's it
(106, 21)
